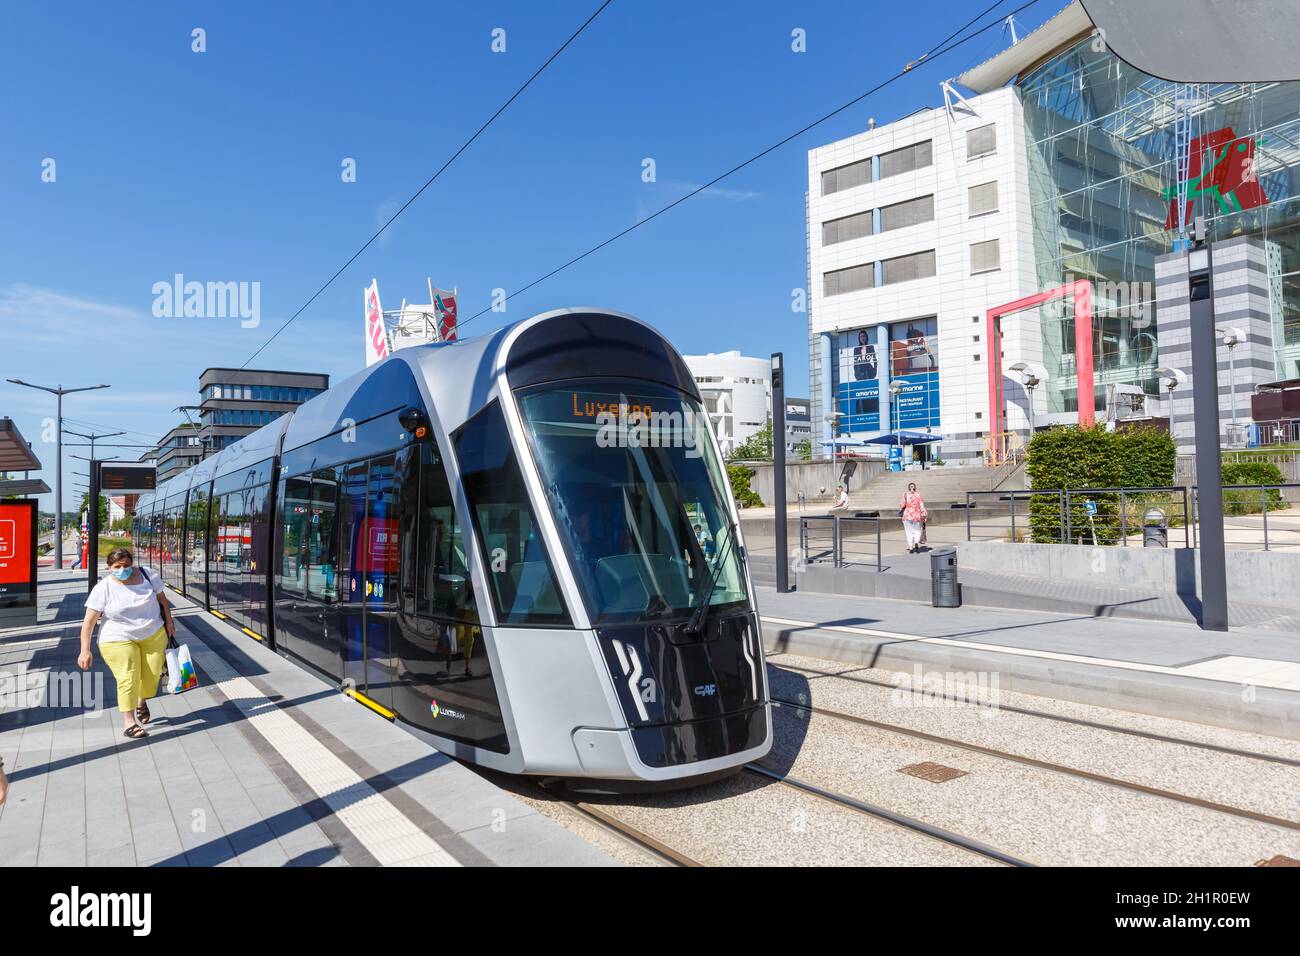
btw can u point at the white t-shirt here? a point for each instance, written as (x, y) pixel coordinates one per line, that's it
(130, 611)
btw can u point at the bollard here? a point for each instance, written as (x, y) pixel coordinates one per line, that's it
(1155, 528)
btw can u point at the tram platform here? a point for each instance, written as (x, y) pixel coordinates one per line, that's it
(263, 764)
(1244, 679)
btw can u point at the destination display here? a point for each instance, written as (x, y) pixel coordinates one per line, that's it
(127, 479)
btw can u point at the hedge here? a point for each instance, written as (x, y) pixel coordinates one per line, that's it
(1251, 473)
(1075, 457)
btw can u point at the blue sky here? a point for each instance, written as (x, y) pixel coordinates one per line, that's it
(225, 166)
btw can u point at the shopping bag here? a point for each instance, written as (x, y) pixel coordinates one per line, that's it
(180, 670)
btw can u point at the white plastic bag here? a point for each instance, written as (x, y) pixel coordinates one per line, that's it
(180, 670)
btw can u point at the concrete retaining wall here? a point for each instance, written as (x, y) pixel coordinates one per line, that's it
(1256, 577)
(811, 477)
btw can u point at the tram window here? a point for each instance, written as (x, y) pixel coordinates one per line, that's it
(320, 553)
(295, 506)
(514, 557)
(445, 589)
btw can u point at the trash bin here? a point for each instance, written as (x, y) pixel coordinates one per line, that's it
(1155, 528)
(944, 589)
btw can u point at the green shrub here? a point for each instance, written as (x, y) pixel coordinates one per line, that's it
(1074, 457)
(1244, 502)
(746, 497)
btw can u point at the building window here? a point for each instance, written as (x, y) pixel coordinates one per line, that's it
(904, 160)
(985, 257)
(977, 358)
(981, 141)
(852, 279)
(850, 227)
(982, 199)
(909, 213)
(846, 177)
(918, 265)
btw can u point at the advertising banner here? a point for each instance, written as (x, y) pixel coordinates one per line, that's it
(376, 337)
(17, 553)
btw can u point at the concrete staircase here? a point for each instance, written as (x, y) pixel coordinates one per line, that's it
(940, 487)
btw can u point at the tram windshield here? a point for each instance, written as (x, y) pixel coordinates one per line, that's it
(638, 493)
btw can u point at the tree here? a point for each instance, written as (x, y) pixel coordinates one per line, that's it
(103, 510)
(757, 447)
(803, 449)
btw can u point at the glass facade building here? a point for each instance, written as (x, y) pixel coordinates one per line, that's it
(1104, 144)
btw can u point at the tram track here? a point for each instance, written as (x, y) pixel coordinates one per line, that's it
(1048, 765)
(898, 819)
(1059, 718)
(629, 834)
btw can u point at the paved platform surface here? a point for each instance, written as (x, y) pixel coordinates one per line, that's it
(263, 764)
(1247, 679)
(907, 576)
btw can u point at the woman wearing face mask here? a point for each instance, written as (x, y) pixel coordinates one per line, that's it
(133, 640)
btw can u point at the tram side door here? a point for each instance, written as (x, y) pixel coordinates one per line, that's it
(352, 574)
(368, 592)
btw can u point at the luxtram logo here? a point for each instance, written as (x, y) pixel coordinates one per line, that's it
(440, 711)
(73, 909)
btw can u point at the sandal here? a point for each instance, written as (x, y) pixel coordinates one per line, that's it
(142, 714)
(134, 732)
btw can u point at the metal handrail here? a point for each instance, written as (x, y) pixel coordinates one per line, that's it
(836, 549)
(1066, 498)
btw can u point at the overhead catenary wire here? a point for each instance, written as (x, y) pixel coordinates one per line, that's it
(946, 46)
(430, 181)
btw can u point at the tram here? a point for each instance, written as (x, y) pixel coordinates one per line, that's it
(522, 546)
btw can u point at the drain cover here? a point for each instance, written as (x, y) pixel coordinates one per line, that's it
(934, 772)
(1279, 860)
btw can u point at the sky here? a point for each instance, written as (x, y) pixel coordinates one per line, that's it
(227, 165)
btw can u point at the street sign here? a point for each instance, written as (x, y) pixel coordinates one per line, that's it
(18, 553)
(117, 479)
(1091, 508)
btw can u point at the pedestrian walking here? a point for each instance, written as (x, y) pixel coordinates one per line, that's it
(912, 511)
(133, 640)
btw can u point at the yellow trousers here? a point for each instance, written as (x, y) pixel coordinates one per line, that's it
(137, 665)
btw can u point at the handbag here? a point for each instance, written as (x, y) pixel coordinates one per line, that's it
(179, 675)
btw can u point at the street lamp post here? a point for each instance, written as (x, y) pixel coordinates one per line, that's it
(92, 438)
(1232, 337)
(1032, 376)
(895, 398)
(59, 392)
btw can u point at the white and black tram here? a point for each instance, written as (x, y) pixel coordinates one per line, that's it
(521, 545)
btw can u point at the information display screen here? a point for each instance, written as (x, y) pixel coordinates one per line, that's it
(17, 553)
(128, 479)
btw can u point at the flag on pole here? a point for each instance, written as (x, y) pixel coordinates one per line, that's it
(445, 304)
(376, 337)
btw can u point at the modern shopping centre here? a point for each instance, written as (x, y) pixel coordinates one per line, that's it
(1025, 231)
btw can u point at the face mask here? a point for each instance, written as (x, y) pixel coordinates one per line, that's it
(122, 573)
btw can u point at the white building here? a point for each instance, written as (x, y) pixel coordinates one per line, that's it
(737, 394)
(1056, 175)
(914, 230)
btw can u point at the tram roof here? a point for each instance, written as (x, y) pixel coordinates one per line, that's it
(453, 379)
